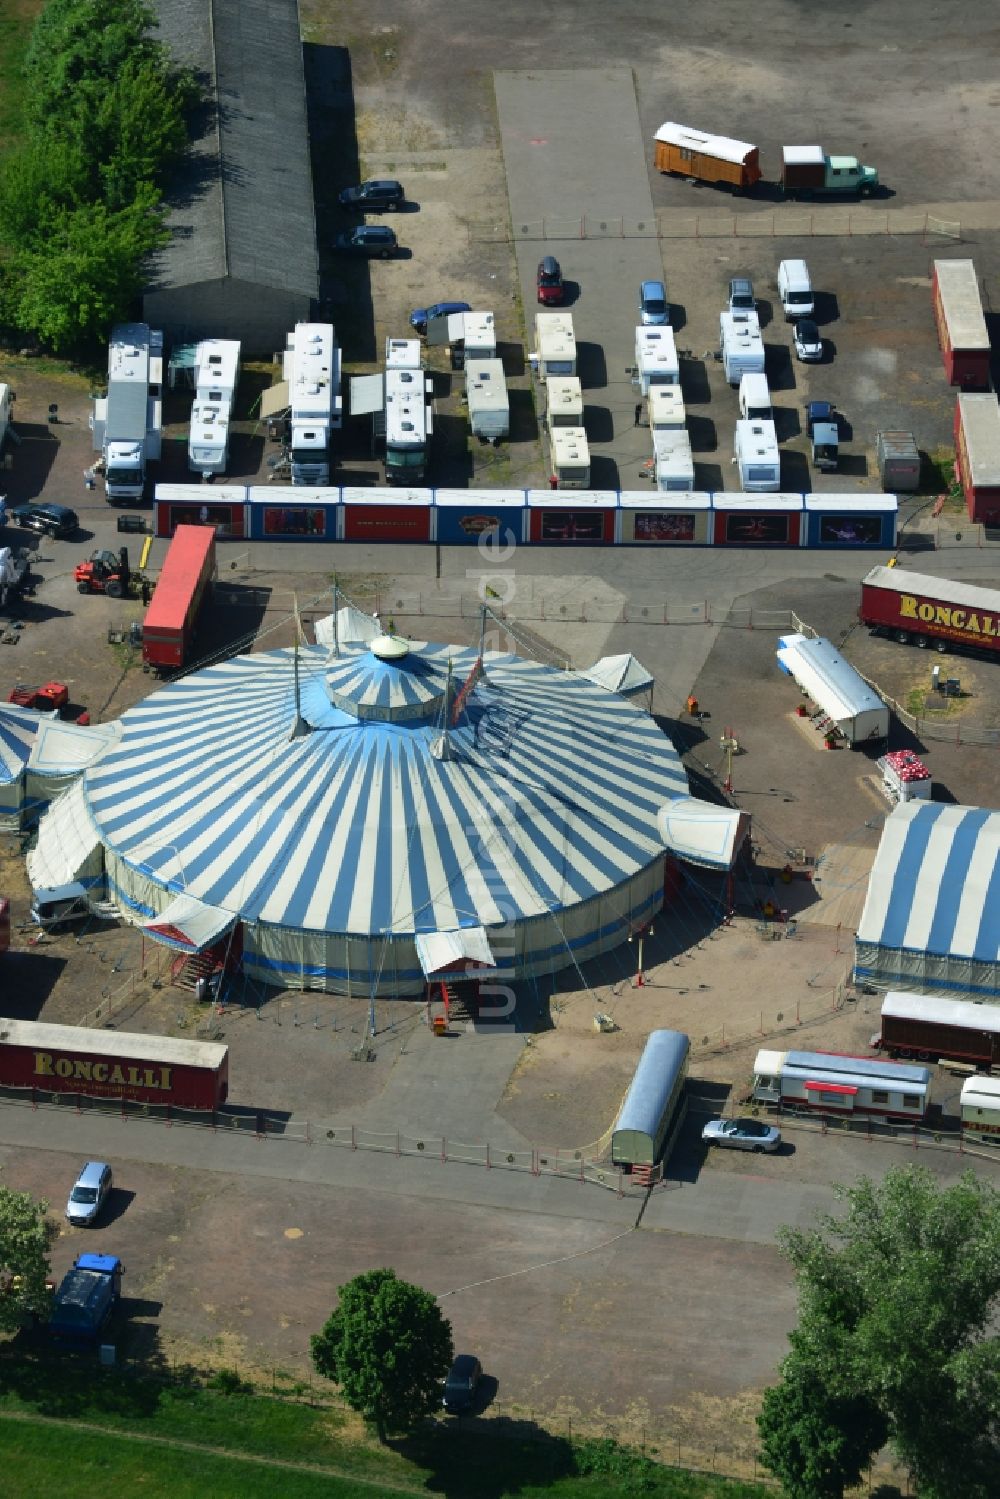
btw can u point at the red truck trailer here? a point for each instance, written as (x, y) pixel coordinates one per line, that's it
(977, 450)
(961, 326)
(100, 1064)
(919, 1025)
(917, 609)
(184, 580)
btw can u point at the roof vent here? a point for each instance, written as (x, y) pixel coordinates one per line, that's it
(389, 648)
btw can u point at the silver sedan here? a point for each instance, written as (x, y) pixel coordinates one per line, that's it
(742, 1134)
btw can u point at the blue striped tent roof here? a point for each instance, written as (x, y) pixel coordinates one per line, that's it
(18, 729)
(358, 824)
(935, 883)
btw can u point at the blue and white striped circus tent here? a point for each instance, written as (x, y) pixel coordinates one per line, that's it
(340, 804)
(931, 920)
(40, 756)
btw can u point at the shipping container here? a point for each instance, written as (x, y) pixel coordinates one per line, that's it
(708, 158)
(961, 326)
(956, 1030)
(44, 1059)
(850, 520)
(405, 515)
(977, 450)
(773, 520)
(898, 461)
(172, 617)
(221, 506)
(651, 520)
(489, 518)
(585, 517)
(914, 608)
(293, 512)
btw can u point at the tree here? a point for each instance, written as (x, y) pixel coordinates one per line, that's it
(388, 1347)
(26, 1236)
(815, 1444)
(897, 1304)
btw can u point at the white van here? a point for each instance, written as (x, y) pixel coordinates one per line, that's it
(755, 399)
(795, 289)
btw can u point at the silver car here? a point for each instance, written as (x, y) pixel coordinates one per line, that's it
(89, 1193)
(742, 1134)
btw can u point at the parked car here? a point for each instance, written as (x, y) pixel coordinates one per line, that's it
(808, 343)
(368, 239)
(421, 316)
(48, 519)
(742, 1134)
(380, 196)
(462, 1383)
(89, 1194)
(549, 280)
(654, 309)
(741, 297)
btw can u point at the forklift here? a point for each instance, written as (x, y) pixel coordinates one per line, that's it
(107, 572)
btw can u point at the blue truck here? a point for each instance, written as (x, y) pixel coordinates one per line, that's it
(87, 1295)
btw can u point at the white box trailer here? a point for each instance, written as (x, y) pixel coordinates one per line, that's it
(570, 454)
(216, 374)
(312, 373)
(666, 408)
(755, 452)
(127, 423)
(563, 401)
(486, 394)
(850, 705)
(673, 465)
(741, 345)
(656, 361)
(555, 344)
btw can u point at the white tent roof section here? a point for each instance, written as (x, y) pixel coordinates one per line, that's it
(354, 626)
(622, 674)
(701, 833)
(930, 918)
(451, 952)
(18, 731)
(189, 925)
(833, 684)
(64, 748)
(68, 842)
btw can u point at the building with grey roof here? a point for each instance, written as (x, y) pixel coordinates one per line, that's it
(241, 262)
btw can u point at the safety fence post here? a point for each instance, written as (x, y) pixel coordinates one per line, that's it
(444, 1149)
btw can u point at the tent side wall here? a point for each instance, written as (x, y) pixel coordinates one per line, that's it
(948, 974)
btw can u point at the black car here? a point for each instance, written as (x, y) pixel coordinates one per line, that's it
(368, 239)
(48, 520)
(383, 196)
(462, 1383)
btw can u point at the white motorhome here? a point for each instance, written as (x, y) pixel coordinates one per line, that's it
(127, 423)
(755, 451)
(7, 399)
(408, 411)
(217, 369)
(311, 368)
(673, 463)
(656, 360)
(563, 401)
(755, 399)
(555, 344)
(666, 408)
(741, 344)
(795, 289)
(486, 395)
(570, 456)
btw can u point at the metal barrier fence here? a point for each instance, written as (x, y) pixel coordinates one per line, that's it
(831, 221)
(582, 610)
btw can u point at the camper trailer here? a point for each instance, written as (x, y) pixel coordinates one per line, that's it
(656, 361)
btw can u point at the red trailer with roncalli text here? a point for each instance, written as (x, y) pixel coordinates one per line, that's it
(916, 609)
(44, 1059)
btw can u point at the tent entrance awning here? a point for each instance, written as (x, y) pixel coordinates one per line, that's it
(455, 954)
(189, 925)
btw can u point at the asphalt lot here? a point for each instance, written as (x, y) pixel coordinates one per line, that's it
(243, 1255)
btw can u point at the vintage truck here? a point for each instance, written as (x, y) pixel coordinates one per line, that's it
(85, 1298)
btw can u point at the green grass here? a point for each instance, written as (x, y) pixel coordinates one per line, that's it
(263, 1434)
(17, 17)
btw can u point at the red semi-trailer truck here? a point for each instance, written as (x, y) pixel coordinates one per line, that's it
(187, 573)
(916, 609)
(922, 1026)
(142, 1069)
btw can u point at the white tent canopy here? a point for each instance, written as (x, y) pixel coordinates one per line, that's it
(354, 626)
(701, 833)
(69, 845)
(622, 674)
(453, 952)
(188, 924)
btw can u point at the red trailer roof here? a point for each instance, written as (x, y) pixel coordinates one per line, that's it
(182, 567)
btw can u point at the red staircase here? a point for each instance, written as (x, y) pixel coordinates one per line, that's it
(188, 968)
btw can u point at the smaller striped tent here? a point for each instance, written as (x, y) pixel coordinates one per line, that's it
(932, 915)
